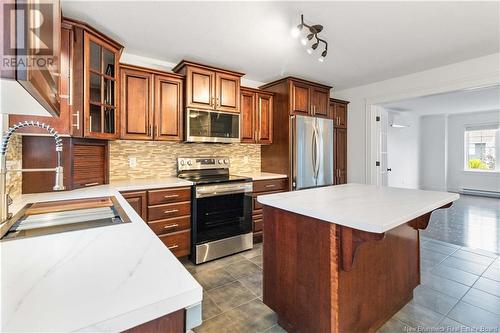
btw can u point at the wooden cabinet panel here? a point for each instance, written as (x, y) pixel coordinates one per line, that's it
(270, 185)
(62, 123)
(167, 211)
(340, 143)
(89, 165)
(138, 202)
(172, 323)
(137, 104)
(200, 88)
(300, 98)
(320, 101)
(163, 196)
(168, 108)
(264, 119)
(340, 115)
(227, 92)
(178, 242)
(247, 118)
(161, 227)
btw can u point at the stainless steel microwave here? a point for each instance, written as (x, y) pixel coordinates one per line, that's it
(212, 126)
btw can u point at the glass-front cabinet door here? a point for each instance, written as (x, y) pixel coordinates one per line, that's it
(100, 76)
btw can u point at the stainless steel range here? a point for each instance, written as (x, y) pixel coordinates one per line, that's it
(221, 208)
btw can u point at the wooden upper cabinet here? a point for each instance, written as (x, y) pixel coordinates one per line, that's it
(264, 118)
(301, 98)
(151, 104)
(227, 92)
(256, 116)
(200, 88)
(320, 100)
(210, 88)
(136, 104)
(168, 108)
(338, 112)
(247, 117)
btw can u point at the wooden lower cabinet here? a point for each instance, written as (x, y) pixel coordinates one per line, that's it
(167, 212)
(261, 187)
(172, 323)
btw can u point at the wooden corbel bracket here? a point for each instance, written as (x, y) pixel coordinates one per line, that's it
(350, 239)
(421, 222)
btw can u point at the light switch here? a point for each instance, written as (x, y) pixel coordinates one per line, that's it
(132, 162)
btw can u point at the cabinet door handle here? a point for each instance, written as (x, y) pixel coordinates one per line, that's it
(169, 226)
(217, 102)
(171, 196)
(91, 184)
(212, 101)
(156, 131)
(77, 115)
(173, 247)
(170, 211)
(270, 185)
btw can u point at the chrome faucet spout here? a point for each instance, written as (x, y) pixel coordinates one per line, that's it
(59, 172)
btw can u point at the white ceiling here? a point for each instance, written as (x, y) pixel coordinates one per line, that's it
(471, 100)
(368, 41)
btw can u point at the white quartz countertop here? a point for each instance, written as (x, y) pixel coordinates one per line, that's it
(364, 207)
(104, 279)
(263, 175)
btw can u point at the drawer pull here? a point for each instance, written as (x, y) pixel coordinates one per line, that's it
(173, 247)
(270, 185)
(171, 196)
(91, 184)
(170, 211)
(175, 225)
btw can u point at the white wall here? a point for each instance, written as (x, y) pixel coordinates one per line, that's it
(474, 72)
(458, 178)
(433, 152)
(403, 150)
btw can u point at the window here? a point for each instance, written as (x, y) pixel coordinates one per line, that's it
(482, 148)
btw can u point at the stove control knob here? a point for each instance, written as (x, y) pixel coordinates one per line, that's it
(220, 161)
(183, 162)
(189, 162)
(226, 161)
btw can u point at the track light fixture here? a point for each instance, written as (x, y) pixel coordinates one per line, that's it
(313, 30)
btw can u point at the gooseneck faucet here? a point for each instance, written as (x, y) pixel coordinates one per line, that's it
(4, 195)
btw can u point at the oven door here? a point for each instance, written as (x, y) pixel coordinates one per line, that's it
(211, 126)
(222, 211)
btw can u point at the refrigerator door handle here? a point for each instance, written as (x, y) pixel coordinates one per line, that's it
(314, 151)
(317, 155)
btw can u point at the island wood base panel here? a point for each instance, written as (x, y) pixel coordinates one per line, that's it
(307, 285)
(174, 322)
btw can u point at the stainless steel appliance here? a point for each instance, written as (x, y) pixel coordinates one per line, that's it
(221, 208)
(312, 152)
(212, 126)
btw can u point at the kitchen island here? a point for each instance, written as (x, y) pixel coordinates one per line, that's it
(343, 258)
(107, 279)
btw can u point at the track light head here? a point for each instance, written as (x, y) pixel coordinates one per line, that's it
(315, 46)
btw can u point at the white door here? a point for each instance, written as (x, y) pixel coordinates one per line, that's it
(379, 153)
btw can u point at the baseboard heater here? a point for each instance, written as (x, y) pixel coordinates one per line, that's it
(470, 191)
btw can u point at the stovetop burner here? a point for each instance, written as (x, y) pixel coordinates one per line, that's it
(207, 170)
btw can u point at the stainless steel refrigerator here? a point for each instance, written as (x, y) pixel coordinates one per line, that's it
(312, 152)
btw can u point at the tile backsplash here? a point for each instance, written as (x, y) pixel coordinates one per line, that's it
(159, 159)
(14, 161)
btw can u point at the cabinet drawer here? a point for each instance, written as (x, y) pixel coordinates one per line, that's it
(158, 197)
(270, 185)
(170, 225)
(257, 225)
(167, 211)
(178, 242)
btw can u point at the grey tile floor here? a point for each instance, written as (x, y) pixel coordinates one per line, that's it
(460, 292)
(472, 221)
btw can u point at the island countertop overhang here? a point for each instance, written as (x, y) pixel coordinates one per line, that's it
(364, 207)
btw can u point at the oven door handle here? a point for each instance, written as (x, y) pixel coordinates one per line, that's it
(212, 193)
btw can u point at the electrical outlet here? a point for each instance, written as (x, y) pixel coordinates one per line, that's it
(132, 162)
(246, 160)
